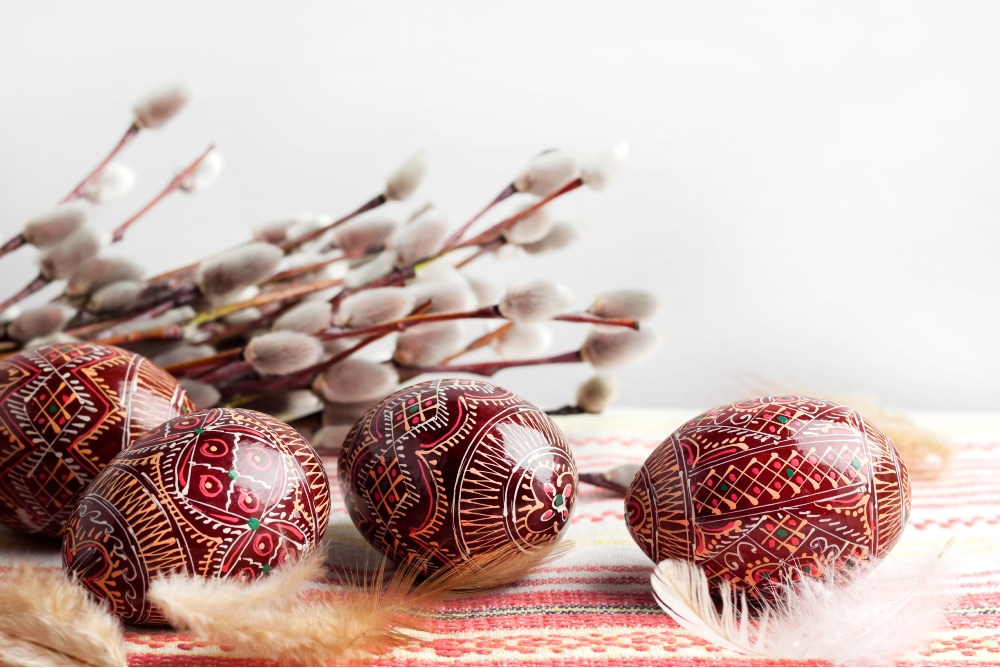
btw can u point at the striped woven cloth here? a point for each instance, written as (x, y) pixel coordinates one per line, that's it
(594, 606)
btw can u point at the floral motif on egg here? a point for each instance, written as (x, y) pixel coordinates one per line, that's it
(65, 411)
(768, 489)
(449, 469)
(218, 493)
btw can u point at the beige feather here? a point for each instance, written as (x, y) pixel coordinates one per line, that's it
(47, 619)
(362, 617)
(882, 609)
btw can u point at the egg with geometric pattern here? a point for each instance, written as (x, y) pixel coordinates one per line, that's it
(767, 490)
(225, 492)
(452, 469)
(66, 410)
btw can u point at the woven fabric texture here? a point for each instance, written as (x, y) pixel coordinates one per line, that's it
(594, 606)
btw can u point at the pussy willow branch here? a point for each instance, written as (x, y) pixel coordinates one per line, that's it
(119, 232)
(41, 281)
(460, 232)
(486, 312)
(81, 189)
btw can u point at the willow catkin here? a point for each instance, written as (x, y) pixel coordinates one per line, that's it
(282, 353)
(307, 317)
(114, 182)
(375, 306)
(596, 393)
(38, 321)
(420, 239)
(430, 343)
(522, 339)
(602, 171)
(97, 272)
(548, 172)
(56, 224)
(159, 106)
(365, 232)
(65, 257)
(115, 296)
(562, 234)
(355, 380)
(238, 268)
(407, 177)
(631, 304)
(605, 348)
(535, 300)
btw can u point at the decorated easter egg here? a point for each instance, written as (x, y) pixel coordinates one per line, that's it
(66, 410)
(770, 489)
(446, 470)
(224, 492)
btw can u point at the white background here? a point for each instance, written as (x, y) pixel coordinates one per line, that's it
(813, 189)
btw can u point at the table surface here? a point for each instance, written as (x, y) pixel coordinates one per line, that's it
(594, 605)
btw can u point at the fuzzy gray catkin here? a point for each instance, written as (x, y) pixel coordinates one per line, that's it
(97, 272)
(596, 394)
(548, 172)
(522, 339)
(115, 296)
(407, 177)
(114, 182)
(419, 239)
(428, 344)
(604, 348)
(602, 171)
(306, 317)
(444, 297)
(159, 106)
(39, 321)
(62, 259)
(626, 303)
(367, 232)
(375, 306)
(238, 268)
(535, 300)
(562, 234)
(202, 394)
(56, 224)
(355, 380)
(282, 353)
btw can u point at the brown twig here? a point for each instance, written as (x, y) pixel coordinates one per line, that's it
(119, 232)
(166, 333)
(460, 232)
(203, 363)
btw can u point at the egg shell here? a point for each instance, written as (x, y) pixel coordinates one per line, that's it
(768, 489)
(66, 410)
(450, 469)
(219, 493)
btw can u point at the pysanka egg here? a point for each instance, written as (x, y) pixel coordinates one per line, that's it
(224, 493)
(65, 410)
(768, 489)
(450, 469)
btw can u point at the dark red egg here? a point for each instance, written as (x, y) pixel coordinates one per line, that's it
(227, 493)
(66, 410)
(768, 489)
(450, 469)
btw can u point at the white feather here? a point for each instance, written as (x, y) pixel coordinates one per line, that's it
(883, 609)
